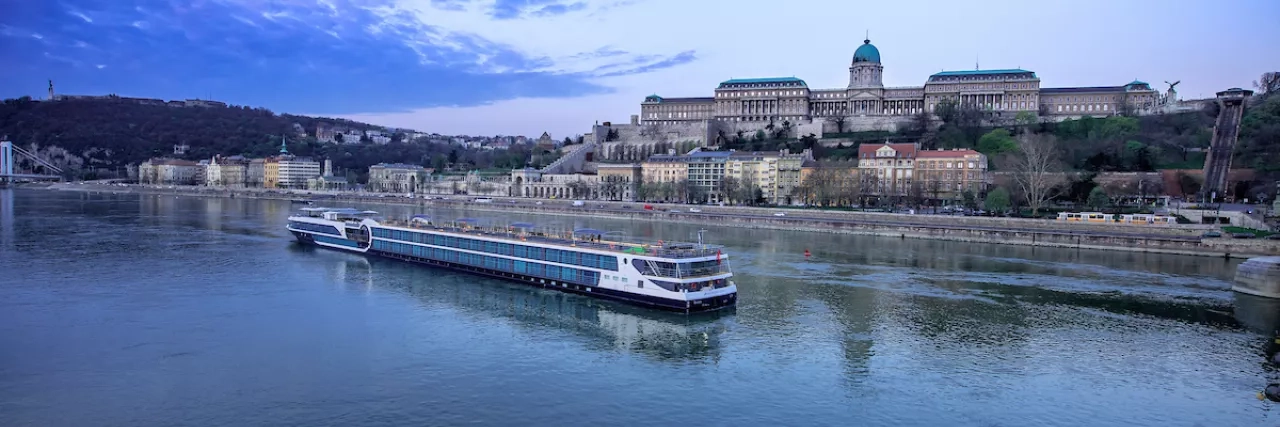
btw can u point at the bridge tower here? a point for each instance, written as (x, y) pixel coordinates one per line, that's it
(6, 158)
(1217, 164)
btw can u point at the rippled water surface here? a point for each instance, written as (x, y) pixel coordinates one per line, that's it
(128, 310)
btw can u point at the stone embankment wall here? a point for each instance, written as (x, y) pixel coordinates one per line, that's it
(699, 131)
(1174, 240)
(1187, 230)
(1183, 239)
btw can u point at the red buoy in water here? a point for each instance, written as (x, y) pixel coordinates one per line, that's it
(806, 253)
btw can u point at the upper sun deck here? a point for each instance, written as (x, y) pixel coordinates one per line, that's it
(345, 214)
(578, 238)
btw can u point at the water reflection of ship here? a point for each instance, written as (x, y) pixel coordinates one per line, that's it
(606, 325)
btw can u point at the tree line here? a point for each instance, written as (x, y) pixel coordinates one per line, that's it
(97, 138)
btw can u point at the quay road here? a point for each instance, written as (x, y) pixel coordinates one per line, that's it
(788, 215)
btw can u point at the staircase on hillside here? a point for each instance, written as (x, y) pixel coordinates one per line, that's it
(572, 161)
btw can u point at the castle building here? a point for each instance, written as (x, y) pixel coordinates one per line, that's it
(866, 104)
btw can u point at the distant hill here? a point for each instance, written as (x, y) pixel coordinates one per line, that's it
(108, 133)
(114, 132)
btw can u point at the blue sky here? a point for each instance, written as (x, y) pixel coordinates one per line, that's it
(525, 66)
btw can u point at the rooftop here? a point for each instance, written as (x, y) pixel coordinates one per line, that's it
(942, 153)
(396, 166)
(1095, 89)
(791, 80)
(982, 72)
(173, 162)
(686, 100)
(902, 149)
(708, 154)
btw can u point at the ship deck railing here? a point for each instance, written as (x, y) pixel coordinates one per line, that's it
(683, 271)
(604, 242)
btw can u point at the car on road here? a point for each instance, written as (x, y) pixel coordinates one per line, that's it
(1211, 234)
(779, 214)
(695, 210)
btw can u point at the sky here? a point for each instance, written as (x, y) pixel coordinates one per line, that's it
(521, 67)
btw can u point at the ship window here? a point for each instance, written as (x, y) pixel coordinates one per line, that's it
(640, 284)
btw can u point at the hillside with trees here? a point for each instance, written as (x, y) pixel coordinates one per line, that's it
(97, 138)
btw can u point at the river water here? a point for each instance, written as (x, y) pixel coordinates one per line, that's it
(135, 310)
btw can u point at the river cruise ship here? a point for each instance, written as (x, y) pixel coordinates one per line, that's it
(685, 277)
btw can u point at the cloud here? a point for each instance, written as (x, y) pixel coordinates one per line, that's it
(578, 61)
(559, 9)
(81, 16)
(326, 56)
(511, 9)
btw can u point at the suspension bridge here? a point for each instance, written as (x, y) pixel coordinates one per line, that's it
(9, 172)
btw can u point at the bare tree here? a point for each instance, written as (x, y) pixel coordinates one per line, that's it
(578, 189)
(1268, 84)
(729, 189)
(934, 187)
(868, 187)
(839, 122)
(650, 130)
(1036, 169)
(1126, 107)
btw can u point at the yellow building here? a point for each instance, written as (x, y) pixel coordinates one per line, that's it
(665, 168)
(828, 184)
(271, 173)
(619, 181)
(947, 174)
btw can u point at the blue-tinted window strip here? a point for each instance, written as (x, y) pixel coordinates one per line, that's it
(603, 262)
(335, 241)
(315, 228)
(566, 274)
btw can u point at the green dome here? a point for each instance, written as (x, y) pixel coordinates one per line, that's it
(866, 53)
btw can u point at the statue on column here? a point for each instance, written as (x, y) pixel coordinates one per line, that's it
(1171, 95)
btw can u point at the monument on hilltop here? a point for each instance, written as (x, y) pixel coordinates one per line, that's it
(1171, 95)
